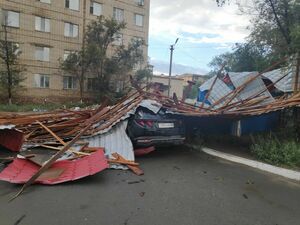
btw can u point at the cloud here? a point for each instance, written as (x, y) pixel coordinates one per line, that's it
(197, 21)
(162, 67)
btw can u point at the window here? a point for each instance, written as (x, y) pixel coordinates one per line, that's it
(42, 24)
(69, 82)
(42, 53)
(11, 18)
(96, 8)
(72, 4)
(119, 14)
(140, 2)
(41, 81)
(139, 20)
(118, 39)
(92, 84)
(71, 30)
(46, 1)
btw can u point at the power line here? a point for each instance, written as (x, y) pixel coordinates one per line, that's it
(190, 56)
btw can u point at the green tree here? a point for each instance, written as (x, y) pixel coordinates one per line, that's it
(101, 57)
(275, 33)
(144, 75)
(10, 69)
(110, 62)
(275, 25)
(245, 57)
(77, 64)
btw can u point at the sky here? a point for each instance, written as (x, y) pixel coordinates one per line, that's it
(204, 31)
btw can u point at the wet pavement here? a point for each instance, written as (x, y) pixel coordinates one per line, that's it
(180, 186)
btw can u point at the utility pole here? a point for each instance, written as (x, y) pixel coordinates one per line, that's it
(171, 62)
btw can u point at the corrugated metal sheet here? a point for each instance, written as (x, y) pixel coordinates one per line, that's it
(149, 104)
(115, 140)
(219, 90)
(20, 170)
(152, 105)
(286, 84)
(252, 88)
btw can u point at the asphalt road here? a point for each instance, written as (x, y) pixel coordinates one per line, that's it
(180, 186)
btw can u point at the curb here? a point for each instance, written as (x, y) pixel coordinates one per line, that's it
(290, 174)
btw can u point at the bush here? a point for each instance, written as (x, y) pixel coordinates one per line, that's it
(278, 152)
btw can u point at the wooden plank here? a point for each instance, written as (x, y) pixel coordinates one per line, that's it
(54, 158)
(133, 168)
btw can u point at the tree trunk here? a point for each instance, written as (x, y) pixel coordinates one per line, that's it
(279, 24)
(9, 77)
(81, 85)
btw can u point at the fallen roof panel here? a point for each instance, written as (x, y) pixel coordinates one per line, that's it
(286, 84)
(21, 170)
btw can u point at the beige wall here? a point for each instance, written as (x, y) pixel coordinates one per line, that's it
(177, 84)
(192, 77)
(28, 37)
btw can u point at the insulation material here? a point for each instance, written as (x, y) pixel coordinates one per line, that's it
(286, 84)
(115, 140)
(21, 170)
(254, 87)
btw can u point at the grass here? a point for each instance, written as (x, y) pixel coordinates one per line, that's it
(281, 148)
(37, 107)
(277, 151)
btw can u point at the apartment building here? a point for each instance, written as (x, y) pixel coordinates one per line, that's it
(48, 30)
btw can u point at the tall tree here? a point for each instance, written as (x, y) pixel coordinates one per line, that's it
(275, 24)
(104, 56)
(100, 35)
(144, 75)
(77, 64)
(275, 33)
(10, 70)
(244, 57)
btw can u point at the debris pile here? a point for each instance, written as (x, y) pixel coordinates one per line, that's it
(66, 145)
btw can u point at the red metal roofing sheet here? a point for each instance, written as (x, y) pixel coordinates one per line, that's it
(143, 151)
(11, 139)
(20, 170)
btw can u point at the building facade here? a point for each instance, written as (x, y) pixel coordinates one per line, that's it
(48, 30)
(162, 83)
(193, 77)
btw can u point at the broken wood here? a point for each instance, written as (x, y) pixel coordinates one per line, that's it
(133, 168)
(53, 159)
